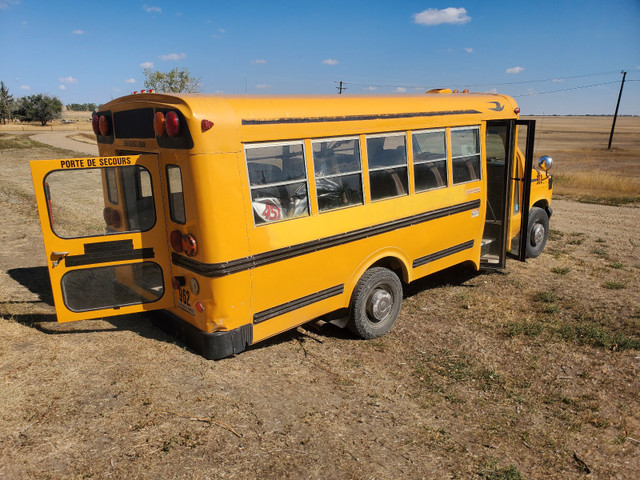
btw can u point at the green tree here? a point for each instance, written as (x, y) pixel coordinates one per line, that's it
(39, 108)
(7, 104)
(178, 80)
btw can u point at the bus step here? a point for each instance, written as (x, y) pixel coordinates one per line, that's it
(485, 246)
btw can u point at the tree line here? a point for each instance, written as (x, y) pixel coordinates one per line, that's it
(45, 108)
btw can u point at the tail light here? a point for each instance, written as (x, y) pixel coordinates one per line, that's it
(175, 239)
(104, 124)
(159, 124)
(172, 123)
(95, 123)
(189, 245)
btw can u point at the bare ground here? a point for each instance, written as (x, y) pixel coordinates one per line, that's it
(530, 373)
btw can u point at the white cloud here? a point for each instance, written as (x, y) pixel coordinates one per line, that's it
(130, 80)
(63, 87)
(149, 9)
(401, 90)
(68, 80)
(468, 50)
(493, 90)
(433, 16)
(173, 56)
(330, 61)
(78, 32)
(146, 65)
(260, 61)
(25, 87)
(8, 3)
(371, 89)
(515, 70)
(263, 86)
(558, 80)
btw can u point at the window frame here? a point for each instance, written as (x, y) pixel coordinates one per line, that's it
(305, 179)
(356, 138)
(447, 150)
(478, 154)
(403, 134)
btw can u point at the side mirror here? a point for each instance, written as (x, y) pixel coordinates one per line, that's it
(545, 163)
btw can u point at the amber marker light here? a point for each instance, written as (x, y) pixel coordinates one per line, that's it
(159, 124)
(105, 125)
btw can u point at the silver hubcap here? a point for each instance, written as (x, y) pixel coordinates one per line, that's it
(538, 234)
(379, 304)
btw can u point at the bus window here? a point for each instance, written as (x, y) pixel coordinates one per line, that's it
(278, 181)
(338, 172)
(176, 197)
(94, 202)
(465, 154)
(387, 156)
(430, 159)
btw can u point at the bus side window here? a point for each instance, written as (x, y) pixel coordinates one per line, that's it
(176, 196)
(465, 154)
(338, 172)
(387, 157)
(430, 159)
(278, 181)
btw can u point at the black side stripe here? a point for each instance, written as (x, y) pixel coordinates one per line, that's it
(297, 303)
(352, 118)
(214, 270)
(103, 252)
(418, 262)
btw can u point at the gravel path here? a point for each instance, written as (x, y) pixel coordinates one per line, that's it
(62, 139)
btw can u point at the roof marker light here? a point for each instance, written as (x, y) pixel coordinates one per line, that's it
(516, 110)
(206, 125)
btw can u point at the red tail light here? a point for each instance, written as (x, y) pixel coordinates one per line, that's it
(159, 124)
(172, 123)
(95, 120)
(175, 239)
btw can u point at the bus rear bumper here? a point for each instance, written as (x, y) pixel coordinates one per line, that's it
(212, 346)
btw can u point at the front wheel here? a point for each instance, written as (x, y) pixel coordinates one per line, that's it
(538, 232)
(375, 303)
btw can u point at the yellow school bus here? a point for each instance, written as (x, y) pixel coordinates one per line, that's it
(242, 217)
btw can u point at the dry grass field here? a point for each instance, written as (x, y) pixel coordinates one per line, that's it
(531, 373)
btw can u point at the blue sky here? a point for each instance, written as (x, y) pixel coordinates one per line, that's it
(541, 52)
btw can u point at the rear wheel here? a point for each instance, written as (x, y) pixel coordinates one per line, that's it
(375, 303)
(538, 232)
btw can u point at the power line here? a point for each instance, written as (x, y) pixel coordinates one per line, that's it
(563, 89)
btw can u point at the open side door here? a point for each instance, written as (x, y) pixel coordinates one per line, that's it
(508, 191)
(521, 188)
(104, 234)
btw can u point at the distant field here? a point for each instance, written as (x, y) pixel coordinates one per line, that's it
(583, 167)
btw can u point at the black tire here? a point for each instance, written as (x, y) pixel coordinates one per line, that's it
(538, 232)
(375, 303)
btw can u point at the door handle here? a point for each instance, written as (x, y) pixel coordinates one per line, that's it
(60, 256)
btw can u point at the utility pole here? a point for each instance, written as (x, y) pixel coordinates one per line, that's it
(340, 88)
(615, 115)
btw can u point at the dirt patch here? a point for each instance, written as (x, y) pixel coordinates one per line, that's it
(529, 373)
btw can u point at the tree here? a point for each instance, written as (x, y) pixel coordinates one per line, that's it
(7, 104)
(175, 81)
(40, 108)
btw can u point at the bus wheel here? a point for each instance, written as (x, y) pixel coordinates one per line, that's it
(538, 232)
(375, 303)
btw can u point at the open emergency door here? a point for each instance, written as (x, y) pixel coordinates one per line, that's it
(104, 235)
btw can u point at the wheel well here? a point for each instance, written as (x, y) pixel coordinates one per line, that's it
(544, 205)
(395, 265)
